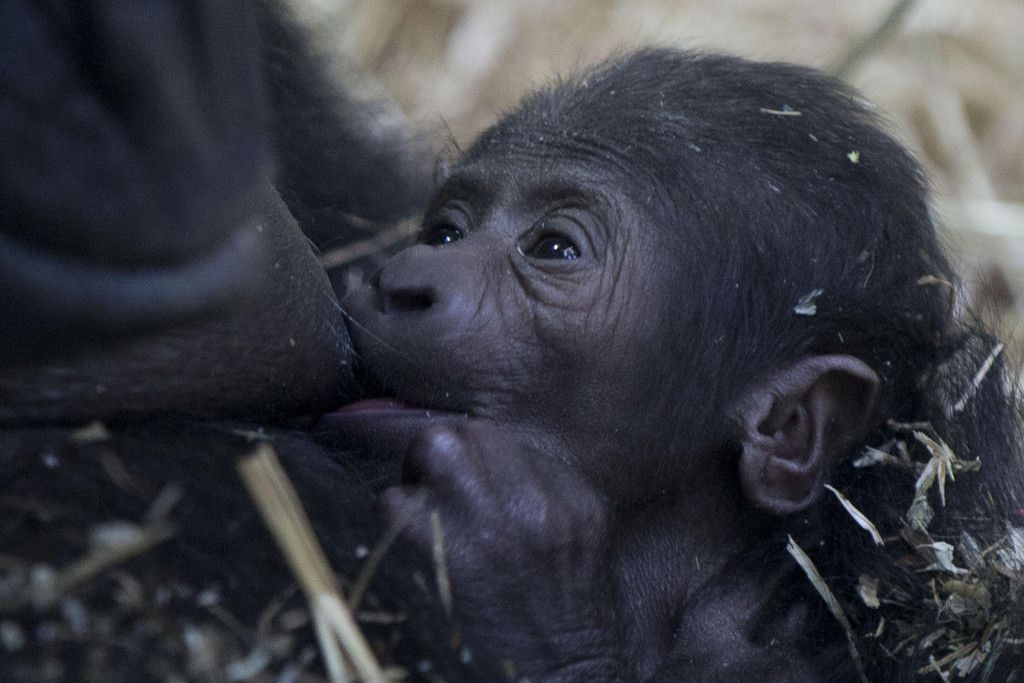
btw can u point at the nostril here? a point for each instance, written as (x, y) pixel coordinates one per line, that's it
(408, 298)
(399, 290)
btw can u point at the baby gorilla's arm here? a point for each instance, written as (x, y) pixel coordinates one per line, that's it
(526, 547)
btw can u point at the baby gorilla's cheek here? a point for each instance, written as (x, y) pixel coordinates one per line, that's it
(484, 369)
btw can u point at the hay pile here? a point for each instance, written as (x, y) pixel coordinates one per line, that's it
(114, 568)
(954, 603)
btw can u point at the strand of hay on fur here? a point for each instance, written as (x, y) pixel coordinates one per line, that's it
(859, 517)
(830, 601)
(979, 377)
(954, 620)
(335, 627)
(383, 238)
(444, 584)
(374, 558)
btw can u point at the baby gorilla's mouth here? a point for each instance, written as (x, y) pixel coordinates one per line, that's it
(373, 395)
(383, 396)
(376, 393)
(379, 417)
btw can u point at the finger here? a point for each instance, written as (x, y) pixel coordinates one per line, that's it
(446, 462)
(399, 505)
(407, 512)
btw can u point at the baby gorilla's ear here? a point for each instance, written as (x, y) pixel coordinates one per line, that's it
(796, 423)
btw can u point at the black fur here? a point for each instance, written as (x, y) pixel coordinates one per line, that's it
(783, 180)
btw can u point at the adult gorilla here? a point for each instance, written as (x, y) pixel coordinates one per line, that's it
(153, 276)
(136, 173)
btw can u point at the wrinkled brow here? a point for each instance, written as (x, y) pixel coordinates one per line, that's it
(534, 186)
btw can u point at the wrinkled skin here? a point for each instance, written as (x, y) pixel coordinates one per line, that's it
(610, 441)
(490, 327)
(610, 400)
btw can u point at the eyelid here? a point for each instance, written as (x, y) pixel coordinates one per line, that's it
(452, 213)
(575, 230)
(583, 229)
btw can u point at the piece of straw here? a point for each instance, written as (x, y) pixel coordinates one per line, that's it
(979, 377)
(335, 627)
(859, 517)
(831, 602)
(444, 584)
(374, 558)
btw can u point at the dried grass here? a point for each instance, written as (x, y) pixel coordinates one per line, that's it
(344, 648)
(952, 618)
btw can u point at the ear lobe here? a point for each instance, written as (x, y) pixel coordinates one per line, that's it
(796, 423)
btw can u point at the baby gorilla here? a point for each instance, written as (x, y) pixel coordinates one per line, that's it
(651, 312)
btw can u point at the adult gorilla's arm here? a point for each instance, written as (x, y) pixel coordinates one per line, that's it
(133, 155)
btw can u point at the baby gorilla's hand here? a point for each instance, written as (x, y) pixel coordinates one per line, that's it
(526, 548)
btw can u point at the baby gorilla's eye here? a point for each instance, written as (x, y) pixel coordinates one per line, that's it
(554, 247)
(551, 242)
(440, 234)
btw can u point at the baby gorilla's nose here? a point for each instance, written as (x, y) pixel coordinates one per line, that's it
(395, 295)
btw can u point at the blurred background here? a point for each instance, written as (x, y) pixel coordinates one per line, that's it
(948, 75)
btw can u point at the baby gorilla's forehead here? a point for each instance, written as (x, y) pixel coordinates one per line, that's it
(589, 154)
(536, 178)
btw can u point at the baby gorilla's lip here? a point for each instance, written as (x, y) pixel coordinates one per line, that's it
(382, 425)
(381, 410)
(375, 405)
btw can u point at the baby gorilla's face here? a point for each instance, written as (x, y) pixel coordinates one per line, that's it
(535, 297)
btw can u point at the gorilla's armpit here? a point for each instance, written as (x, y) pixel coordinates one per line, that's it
(662, 304)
